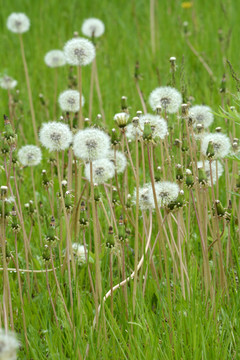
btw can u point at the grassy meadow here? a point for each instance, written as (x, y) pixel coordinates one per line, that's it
(179, 262)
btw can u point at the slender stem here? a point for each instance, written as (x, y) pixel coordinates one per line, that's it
(80, 116)
(36, 204)
(29, 89)
(136, 226)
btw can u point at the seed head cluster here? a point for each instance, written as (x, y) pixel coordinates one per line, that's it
(221, 144)
(69, 100)
(166, 97)
(29, 155)
(7, 82)
(79, 52)
(55, 58)
(55, 136)
(102, 171)
(93, 27)
(18, 23)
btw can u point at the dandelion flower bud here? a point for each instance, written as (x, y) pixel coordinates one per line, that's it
(121, 161)
(55, 58)
(166, 192)
(79, 51)
(167, 97)
(121, 119)
(91, 144)
(30, 155)
(93, 27)
(69, 100)
(217, 170)
(221, 144)
(55, 136)
(8, 346)
(146, 200)
(201, 114)
(7, 82)
(103, 170)
(18, 23)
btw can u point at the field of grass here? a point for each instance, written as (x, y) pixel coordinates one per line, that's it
(183, 302)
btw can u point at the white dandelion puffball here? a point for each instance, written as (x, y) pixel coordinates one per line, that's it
(131, 131)
(159, 125)
(55, 136)
(79, 252)
(91, 144)
(18, 23)
(146, 200)
(217, 170)
(69, 100)
(103, 170)
(79, 51)
(8, 346)
(7, 82)
(55, 58)
(120, 161)
(201, 114)
(167, 97)
(166, 192)
(30, 155)
(93, 27)
(221, 144)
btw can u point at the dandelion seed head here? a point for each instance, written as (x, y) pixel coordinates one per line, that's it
(69, 100)
(55, 58)
(158, 124)
(91, 144)
(18, 23)
(217, 170)
(131, 131)
(221, 144)
(93, 27)
(55, 136)
(167, 97)
(103, 170)
(8, 346)
(29, 155)
(79, 51)
(201, 114)
(121, 161)
(79, 252)
(166, 192)
(146, 200)
(7, 82)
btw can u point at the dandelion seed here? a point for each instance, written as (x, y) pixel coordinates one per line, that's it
(93, 27)
(146, 200)
(167, 97)
(221, 144)
(30, 155)
(121, 161)
(166, 192)
(8, 346)
(7, 82)
(79, 51)
(55, 136)
(201, 114)
(69, 100)
(18, 23)
(55, 58)
(103, 170)
(217, 170)
(91, 144)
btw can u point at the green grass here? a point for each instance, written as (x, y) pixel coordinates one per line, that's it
(199, 329)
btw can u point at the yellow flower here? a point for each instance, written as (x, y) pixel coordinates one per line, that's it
(187, 4)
